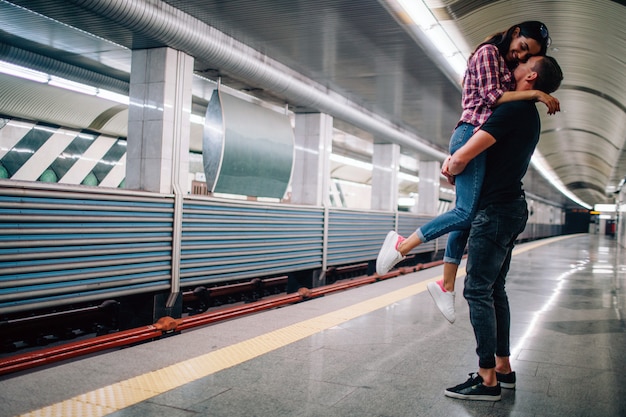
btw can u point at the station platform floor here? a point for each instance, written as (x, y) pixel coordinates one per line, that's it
(382, 349)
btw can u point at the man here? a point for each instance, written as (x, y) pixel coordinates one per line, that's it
(510, 137)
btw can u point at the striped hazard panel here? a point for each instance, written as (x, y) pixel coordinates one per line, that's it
(42, 152)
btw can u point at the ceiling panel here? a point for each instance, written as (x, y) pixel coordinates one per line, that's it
(359, 50)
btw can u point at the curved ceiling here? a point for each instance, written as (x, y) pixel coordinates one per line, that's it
(359, 51)
(584, 144)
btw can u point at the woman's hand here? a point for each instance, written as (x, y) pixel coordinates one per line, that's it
(551, 102)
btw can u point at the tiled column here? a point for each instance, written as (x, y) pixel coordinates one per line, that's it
(428, 200)
(158, 120)
(385, 168)
(311, 171)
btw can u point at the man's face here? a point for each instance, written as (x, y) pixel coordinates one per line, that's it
(525, 68)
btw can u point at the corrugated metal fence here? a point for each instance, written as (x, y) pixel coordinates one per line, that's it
(65, 244)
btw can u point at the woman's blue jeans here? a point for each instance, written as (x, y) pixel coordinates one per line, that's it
(458, 220)
(491, 240)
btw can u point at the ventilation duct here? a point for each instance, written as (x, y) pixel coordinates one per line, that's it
(181, 31)
(61, 69)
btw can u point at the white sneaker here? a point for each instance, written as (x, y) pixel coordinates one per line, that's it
(443, 299)
(389, 256)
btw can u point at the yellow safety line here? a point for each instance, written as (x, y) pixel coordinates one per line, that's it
(538, 243)
(112, 398)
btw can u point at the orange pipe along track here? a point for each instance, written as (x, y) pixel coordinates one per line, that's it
(168, 325)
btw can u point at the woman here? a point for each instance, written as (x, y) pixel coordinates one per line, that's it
(488, 82)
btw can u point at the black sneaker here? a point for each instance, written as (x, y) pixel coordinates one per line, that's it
(473, 389)
(506, 380)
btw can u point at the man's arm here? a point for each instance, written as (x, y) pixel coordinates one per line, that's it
(456, 163)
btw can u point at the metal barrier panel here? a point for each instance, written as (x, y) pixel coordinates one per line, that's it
(226, 241)
(62, 245)
(356, 236)
(247, 149)
(67, 244)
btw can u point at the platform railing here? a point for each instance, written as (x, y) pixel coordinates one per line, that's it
(64, 245)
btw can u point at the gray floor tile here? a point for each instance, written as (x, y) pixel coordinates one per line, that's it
(567, 328)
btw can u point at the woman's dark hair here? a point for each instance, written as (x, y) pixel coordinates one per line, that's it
(530, 29)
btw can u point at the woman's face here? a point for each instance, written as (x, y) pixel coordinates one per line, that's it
(521, 48)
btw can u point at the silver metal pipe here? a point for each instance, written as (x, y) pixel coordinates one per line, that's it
(181, 31)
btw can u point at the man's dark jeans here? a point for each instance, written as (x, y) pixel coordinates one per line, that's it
(492, 237)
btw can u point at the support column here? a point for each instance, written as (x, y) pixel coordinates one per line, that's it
(385, 168)
(311, 171)
(428, 191)
(158, 120)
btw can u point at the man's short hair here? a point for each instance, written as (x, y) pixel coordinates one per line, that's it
(549, 74)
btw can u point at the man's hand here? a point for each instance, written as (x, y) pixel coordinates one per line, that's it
(445, 172)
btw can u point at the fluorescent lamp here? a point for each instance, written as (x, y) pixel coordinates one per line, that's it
(439, 37)
(352, 183)
(53, 80)
(110, 95)
(194, 118)
(408, 177)
(419, 13)
(544, 169)
(604, 207)
(72, 85)
(21, 72)
(458, 63)
(351, 162)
